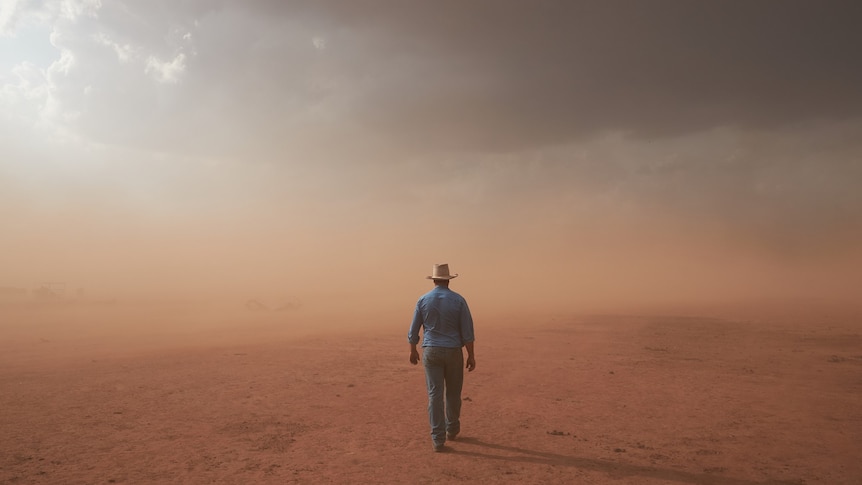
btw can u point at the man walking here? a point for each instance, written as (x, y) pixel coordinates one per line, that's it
(448, 326)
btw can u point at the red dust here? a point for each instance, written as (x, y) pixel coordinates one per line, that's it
(566, 399)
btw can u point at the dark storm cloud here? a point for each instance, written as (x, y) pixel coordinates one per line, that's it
(414, 77)
(506, 75)
(747, 112)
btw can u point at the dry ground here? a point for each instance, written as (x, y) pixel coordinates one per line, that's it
(589, 399)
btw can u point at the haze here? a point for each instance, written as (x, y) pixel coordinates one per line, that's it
(560, 156)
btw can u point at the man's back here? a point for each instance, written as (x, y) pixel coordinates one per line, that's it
(446, 319)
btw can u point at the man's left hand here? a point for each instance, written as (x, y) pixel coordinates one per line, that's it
(414, 356)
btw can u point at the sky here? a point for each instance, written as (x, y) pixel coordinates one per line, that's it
(558, 155)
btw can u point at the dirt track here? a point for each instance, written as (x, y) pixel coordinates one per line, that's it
(629, 400)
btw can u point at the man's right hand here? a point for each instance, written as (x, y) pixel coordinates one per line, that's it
(414, 356)
(471, 363)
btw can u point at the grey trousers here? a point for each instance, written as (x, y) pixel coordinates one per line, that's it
(444, 376)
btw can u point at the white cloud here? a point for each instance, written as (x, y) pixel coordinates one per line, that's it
(319, 43)
(124, 52)
(16, 12)
(62, 65)
(30, 86)
(72, 9)
(37, 97)
(8, 13)
(166, 72)
(34, 99)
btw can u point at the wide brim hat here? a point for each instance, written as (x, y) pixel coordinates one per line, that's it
(441, 272)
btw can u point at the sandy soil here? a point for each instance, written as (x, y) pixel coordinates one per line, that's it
(587, 399)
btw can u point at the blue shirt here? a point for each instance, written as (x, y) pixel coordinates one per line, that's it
(446, 318)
